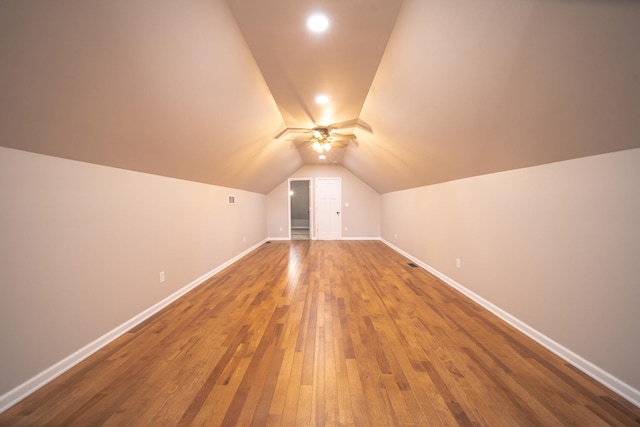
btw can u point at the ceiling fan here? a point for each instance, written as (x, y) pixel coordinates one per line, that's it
(323, 138)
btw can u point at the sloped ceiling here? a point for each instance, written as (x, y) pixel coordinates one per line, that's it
(197, 90)
(299, 64)
(164, 87)
(469, 88)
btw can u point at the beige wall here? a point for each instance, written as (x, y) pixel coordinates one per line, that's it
(361, 217)
(82, 246)
(556, 246)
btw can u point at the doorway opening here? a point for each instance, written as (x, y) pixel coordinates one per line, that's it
(300, 217)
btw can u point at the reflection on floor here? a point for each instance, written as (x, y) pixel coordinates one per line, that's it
(299, 233)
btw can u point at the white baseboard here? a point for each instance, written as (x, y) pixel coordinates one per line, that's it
(23, 390)
(12, 397)
(342, 238)
(595, 372)
(360, 238)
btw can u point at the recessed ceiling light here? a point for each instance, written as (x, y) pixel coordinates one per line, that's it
(322, 99)
(317, 23)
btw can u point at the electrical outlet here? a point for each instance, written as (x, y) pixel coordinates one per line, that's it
(244, 239)
(346, 228)
(161, 276)
(281, 229)
(395, 236)
(458, 262)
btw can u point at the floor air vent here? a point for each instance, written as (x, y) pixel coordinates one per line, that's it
(411, 264)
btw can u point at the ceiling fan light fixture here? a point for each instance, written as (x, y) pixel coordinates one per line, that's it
(317, 146)
(322, 99)
(326, 146)
(318, 23)
(322, 157)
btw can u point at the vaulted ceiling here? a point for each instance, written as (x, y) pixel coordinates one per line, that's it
(434, 90)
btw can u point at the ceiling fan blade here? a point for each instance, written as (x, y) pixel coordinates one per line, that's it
(339, 144)
(302, 138)
(354, 123)
(343, 137)
(286, 131)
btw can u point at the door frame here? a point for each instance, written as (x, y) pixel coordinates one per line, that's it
(311, 207)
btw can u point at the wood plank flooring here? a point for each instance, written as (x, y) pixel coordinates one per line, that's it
(323, 333)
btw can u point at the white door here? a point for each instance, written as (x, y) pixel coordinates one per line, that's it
(328, 211)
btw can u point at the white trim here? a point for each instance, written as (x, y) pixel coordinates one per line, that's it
(342, 238)
(360, 238)
(595, 372)
(15, 395)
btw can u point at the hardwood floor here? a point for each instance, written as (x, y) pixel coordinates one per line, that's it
(323, 333)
